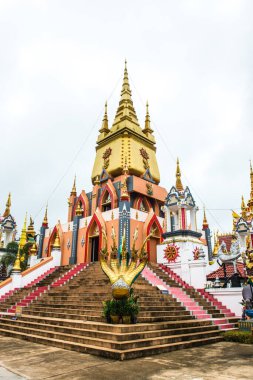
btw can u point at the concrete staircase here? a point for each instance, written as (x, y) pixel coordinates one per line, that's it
(220, 314)
(35, 288)
(70, 316)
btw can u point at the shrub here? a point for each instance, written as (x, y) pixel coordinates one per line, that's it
(12, 247)
(238, 336)
(123, 307)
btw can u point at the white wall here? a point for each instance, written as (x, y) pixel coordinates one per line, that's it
(230, 297)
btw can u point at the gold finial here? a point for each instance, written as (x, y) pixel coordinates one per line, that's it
(147, 128)
(205, 223)
(30, 229)
(250, 203)
(125, 109)
(105, 128)
(45, 220)
(97, 182)
(243, 208)
(125, 87)
(16, 267)
(216, 244)
(73, 191)
(33, 249)
(125, 168)
(22, 240)
(179, 185)
(243, 203)
(79, 209)
(57, 244)
(8, 207)
(124, 192)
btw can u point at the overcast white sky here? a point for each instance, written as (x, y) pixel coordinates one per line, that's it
(59, 62)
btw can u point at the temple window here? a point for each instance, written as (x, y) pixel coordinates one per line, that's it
(107, 202)
(142, 207)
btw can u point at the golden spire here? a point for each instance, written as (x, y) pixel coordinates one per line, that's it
(104, 128)
(179, 185)
(73, 191)
(30, 229)
(250, 203)
(79, 210)
(126, 109)
(243, 208)
(147, 128)
(16, 267)
(97, 182)
(33, 249)
(216, 244)
(205, 223)
(45, 220)
(22, 240)
(8, 207)
(57, 244)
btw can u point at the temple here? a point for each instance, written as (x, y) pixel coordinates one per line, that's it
(125, 190)
(127, 238)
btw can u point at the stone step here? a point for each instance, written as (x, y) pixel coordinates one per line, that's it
(108, 352)
(141, 319)
(98, 305)
(98, 311)
(113, 344)
(117, 328)
(134, 335)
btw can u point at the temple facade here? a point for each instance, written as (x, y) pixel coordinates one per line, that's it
(125, 192)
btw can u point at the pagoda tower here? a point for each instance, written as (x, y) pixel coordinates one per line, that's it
(125, 191)
(126, 140)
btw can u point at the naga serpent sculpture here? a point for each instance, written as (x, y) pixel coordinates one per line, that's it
(121, 270)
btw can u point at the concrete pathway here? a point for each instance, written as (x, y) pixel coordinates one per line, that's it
(24, 360)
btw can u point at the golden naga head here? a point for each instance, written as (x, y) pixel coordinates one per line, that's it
(120, 268)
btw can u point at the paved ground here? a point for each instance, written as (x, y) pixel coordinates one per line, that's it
(24, 360)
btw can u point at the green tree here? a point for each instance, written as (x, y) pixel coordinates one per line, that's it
(12, 247)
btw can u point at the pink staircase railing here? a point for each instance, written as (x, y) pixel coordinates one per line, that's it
(223, 323)
(214, 302)
(35, 294)
(177, 293)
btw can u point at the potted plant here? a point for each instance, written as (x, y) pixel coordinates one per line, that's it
(107, 310)
(125, 311)
(114, 311)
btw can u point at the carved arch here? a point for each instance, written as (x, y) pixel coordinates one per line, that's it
(151, 223)
(96, 221)
(142, 204)
(84, 203)
(108, 190)
(52, 238)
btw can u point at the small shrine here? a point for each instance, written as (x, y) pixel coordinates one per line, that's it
(184, 248)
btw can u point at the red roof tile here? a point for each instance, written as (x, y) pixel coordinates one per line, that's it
(230, 271)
